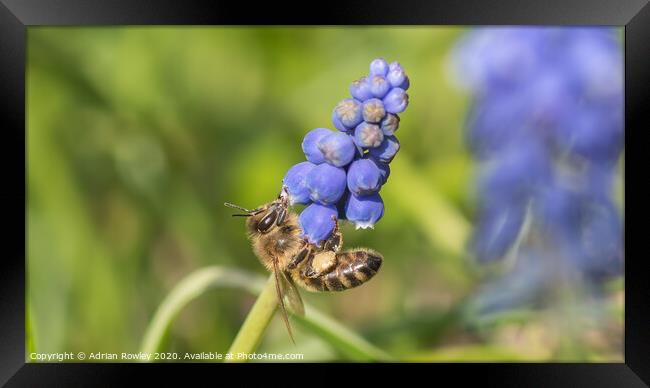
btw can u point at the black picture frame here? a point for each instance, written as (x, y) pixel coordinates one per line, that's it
(17, 15)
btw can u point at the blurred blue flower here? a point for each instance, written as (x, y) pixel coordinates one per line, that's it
(546, 126)
(516, 175)
(497, 230)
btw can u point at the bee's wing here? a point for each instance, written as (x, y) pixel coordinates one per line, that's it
(278, 288)
(292, 296)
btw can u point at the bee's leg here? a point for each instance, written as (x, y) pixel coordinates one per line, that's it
(282, 213)
(335, 240)
(304, 252)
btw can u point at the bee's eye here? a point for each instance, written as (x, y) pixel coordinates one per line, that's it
(267, 221)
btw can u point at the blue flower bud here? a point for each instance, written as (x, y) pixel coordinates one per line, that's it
(348, 113)
(364, 211)
(368, 135)
(338, 124)
(338, 148)
(326, 183)
(397, 78)
(317, 222)
(295, 183)
(379, 67)
(406, 84)
(379, 86)
(389, 124)
(360, 89)
(396, 100)
(364, 177)
(384, 168)
(386, 150)
(395, 66)
(310, 145)
(373, 111)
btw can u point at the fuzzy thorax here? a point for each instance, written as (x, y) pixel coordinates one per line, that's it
(280, 243)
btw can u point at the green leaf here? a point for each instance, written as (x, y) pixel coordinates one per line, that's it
(191, 287)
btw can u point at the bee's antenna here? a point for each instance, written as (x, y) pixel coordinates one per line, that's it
(248, 212)
(233, 206)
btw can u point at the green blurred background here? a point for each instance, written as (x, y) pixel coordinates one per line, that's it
(136, 137)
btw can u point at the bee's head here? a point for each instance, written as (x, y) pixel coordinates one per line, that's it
(262, 219)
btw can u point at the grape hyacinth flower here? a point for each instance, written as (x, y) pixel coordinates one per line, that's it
(337, 148)
(373, 111)
(387, 150)
(319, 221)
(295, 183)
(389, 124)
(368, 135)
(360, 89)
(379, 67)
(326, 183)
(310, 145)
(396, 101)
(366, 210)
(347, 114)
(546, 126)
(364, 177)
(346, 169)
(379, 86)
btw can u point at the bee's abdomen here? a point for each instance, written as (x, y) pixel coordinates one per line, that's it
(352, 269)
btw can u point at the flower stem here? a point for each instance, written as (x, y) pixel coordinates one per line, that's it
(205, 279)
(251, 332)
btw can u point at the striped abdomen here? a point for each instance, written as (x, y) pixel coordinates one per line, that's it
(352, 268)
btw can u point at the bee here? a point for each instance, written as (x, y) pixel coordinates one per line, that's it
(277, 241)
